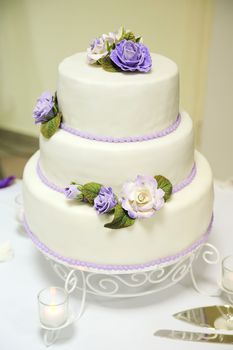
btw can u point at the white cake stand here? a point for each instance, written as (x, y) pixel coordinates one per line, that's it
(122, 284)
(133, 283)
(125, 282)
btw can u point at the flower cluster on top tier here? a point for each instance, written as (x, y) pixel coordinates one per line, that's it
(139, 199)
(47, 113)
(120, 51)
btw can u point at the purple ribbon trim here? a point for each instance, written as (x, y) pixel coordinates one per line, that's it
(46, 181)
(148, 137)
(175, 189)
(186, 181)
(75, 262)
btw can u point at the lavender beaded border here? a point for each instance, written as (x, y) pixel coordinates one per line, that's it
(90, 265)
(175, 189)
(148, 137)
(186, 181)
(46, 181)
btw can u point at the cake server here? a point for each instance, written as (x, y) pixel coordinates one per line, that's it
(214, 317)
(195, 336)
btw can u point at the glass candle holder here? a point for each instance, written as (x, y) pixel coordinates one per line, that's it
(19, 207)
(53, 307)
(227, 273)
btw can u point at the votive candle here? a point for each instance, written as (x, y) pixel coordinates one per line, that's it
(53, 307)
(227, 273)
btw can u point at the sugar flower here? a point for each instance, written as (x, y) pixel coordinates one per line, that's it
(142, 198)
(131, 56)
(97, 50)
(43, 110)
(105, 201)
(71, 191)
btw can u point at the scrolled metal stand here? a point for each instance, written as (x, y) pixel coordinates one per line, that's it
(211, 256)
(122, 284)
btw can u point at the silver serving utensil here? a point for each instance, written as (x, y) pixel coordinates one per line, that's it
(214, 317)
(195, 336)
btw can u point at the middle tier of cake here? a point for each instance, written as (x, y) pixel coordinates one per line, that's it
(66, 157)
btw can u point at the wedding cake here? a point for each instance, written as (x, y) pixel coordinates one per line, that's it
(116, 183)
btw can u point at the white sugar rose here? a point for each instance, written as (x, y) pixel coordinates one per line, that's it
(113, 37)
(142, 198)
(97, 50)
(110, 38)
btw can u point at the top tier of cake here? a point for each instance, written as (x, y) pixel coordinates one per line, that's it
(118, 104)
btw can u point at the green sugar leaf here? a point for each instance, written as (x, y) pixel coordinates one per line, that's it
(90, 191)
(129, 36)
(108, 65)
(138, 39)
(80, 197)
(49, 128)
(56, 109)
(121, 219)
(165, 185)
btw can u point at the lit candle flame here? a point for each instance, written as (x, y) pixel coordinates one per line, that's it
(53, 294)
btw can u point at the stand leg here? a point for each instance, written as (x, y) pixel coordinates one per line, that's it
(71, 284)
(84, 294)
(50, 337)
(210, 255)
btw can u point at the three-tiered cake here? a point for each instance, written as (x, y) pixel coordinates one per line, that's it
(130, 155)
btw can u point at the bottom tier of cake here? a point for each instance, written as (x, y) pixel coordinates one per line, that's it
(76, 231)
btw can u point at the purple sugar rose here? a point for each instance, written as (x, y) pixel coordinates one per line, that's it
(44, 108)
(71, 191)
(105, 201)
(131, 56)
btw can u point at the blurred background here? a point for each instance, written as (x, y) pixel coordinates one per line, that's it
(197, 34)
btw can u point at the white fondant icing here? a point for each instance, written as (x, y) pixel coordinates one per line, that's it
(118, 104)
(65, 158)
(76, 230)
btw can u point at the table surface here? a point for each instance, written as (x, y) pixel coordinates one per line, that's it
(106, 323)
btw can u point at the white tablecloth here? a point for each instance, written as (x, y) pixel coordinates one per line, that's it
(107, 323)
